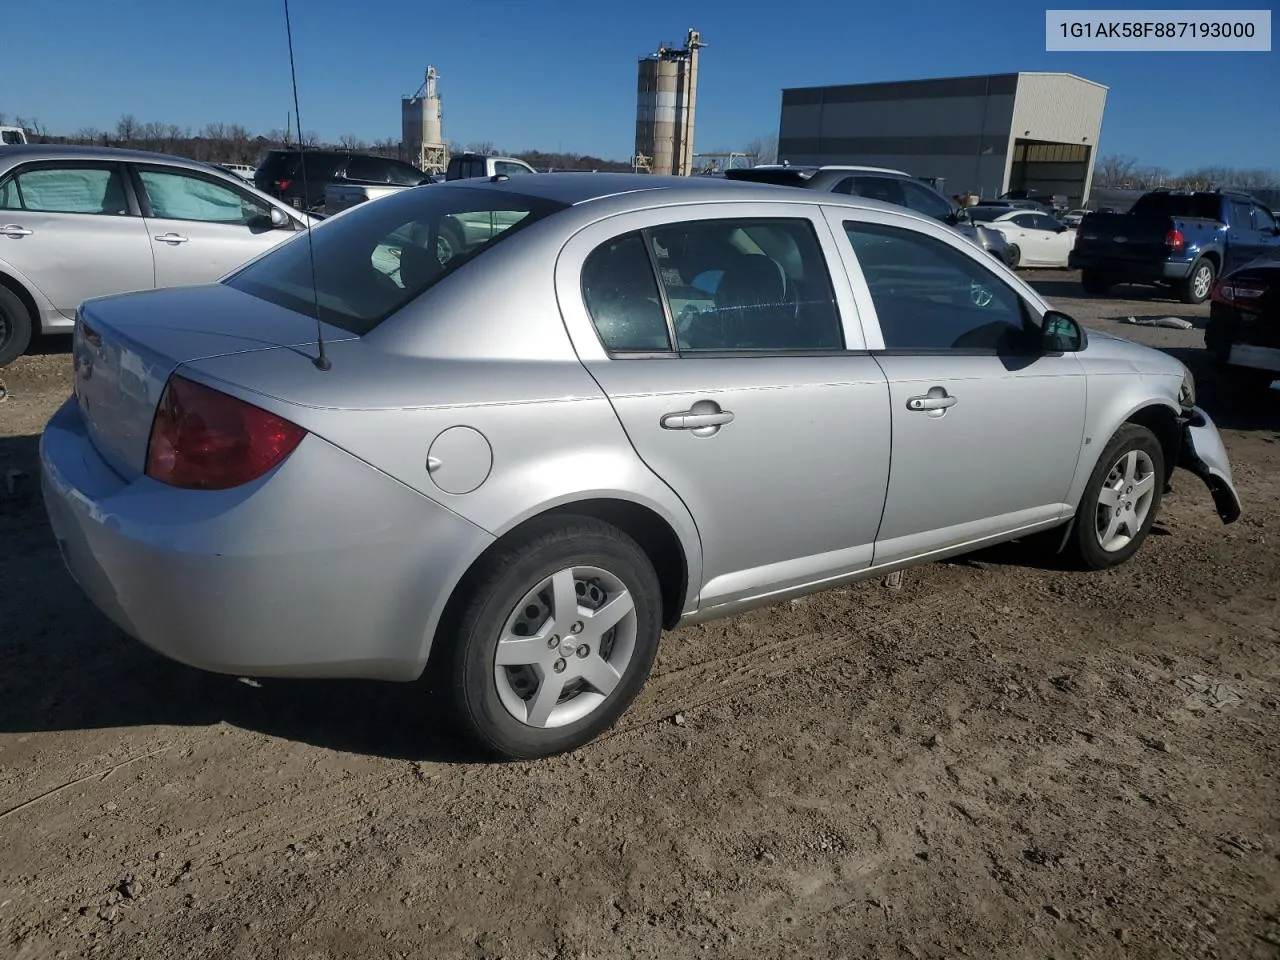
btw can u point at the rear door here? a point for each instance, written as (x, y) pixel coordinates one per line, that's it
(1244, 243)
(1264, 223)
(987, 430)
(72, 228)
(200, 226)
(732, 354)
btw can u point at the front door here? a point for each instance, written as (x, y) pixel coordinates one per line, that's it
(69, 227)
(200, 226)
(725, 359)
(987, 430)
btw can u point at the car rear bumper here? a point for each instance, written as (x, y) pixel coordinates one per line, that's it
(1204, 455)
(1242, 338)
(323, 568)
(1135, 271)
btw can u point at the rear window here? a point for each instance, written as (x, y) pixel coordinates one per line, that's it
(288, 163)
(783, 177)
(1206, 205)
(378, 257)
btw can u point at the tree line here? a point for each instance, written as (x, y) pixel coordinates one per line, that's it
(1124, 172)
(235, 143)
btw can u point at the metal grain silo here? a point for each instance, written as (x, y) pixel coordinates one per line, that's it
(421, 123)
(666, 96)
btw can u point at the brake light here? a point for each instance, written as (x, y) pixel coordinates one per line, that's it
(203, 439)
(1233, 291)
(283, 184)
(1174, 239)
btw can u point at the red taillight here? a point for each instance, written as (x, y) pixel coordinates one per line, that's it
(1234, 291)
(1174, 239)
(283, 184)
(203, 439)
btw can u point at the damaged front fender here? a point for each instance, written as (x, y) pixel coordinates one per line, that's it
(1203, 453)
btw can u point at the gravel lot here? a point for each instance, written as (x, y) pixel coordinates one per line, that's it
(1000, 759)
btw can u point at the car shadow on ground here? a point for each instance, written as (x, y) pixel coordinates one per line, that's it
(64, 666)
(1070, 288)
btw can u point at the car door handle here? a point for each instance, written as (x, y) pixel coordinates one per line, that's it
(14, 231)
(931, 402)
(171, 238)
(688, 420)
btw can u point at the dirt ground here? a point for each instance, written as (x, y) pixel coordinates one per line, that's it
(998, 760)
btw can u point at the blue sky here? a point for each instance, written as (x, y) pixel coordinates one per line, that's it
(561, 74)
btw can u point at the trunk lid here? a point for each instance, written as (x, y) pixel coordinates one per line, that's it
(125, 348)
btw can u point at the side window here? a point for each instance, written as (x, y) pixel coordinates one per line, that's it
(1262, 219)
(930, 297)
(923, 200)
(622, 296)
(367, 169)
(177, 195)
(1241, 217)
(844, 186)
(880, 188)
(9, 198)
(510, 169)
(746, 285)
(80, 189)
(1025, 220)
(404, 174)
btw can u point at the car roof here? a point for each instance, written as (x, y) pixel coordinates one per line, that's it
(642, 190)
(58, 151)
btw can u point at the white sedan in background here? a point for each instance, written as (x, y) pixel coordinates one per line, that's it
(1035, 239)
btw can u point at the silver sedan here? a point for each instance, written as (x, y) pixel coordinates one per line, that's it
(81, 222)
(617, 405)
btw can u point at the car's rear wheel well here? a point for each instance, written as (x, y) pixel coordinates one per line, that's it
(1212, 257)
(28, 301)
(653, 534)
(1163, 422)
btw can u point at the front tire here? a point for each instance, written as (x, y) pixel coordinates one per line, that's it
(1199, 283)
(555, 637)
(15, 327)
(1121, 500)
(1013, 256)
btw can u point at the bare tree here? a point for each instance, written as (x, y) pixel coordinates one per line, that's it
(1115, 170)
(127, 128)
(349, 141)
(484, 147)
(764, 149)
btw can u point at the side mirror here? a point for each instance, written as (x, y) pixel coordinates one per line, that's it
(279, 219)
(1060, 333)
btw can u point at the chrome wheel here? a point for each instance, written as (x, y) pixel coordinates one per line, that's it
(565, 647)
(1125, 500)
(1202, 281)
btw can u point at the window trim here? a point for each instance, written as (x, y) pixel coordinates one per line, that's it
(676, 352)
(131, 197)
(136, 169)
(842, 216)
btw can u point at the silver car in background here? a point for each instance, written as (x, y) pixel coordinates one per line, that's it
(81, 222)
(623, 403)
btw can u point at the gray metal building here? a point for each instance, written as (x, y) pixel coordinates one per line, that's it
(984, 135)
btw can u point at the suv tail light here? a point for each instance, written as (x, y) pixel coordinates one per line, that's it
(1174, 239)
(283, 184)
(203, 439)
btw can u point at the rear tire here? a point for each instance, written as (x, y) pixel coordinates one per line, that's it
(1199, 283)
(545, 691)
(1120, 501)
(15, 327)
(1095, 284)
(1013, 256)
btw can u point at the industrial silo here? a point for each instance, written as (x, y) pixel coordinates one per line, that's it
(666, 95)
(421, 127)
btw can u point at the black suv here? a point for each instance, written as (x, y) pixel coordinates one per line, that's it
(877, 183)
(281, 174)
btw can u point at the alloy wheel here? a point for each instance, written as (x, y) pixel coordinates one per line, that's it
(1125, 500)
(565, 647)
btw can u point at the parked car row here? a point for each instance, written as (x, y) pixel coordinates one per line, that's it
(83, 222)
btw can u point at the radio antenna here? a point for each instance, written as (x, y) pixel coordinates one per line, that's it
(321, 361)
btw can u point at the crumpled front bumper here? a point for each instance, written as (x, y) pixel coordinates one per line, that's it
(1203, 453)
